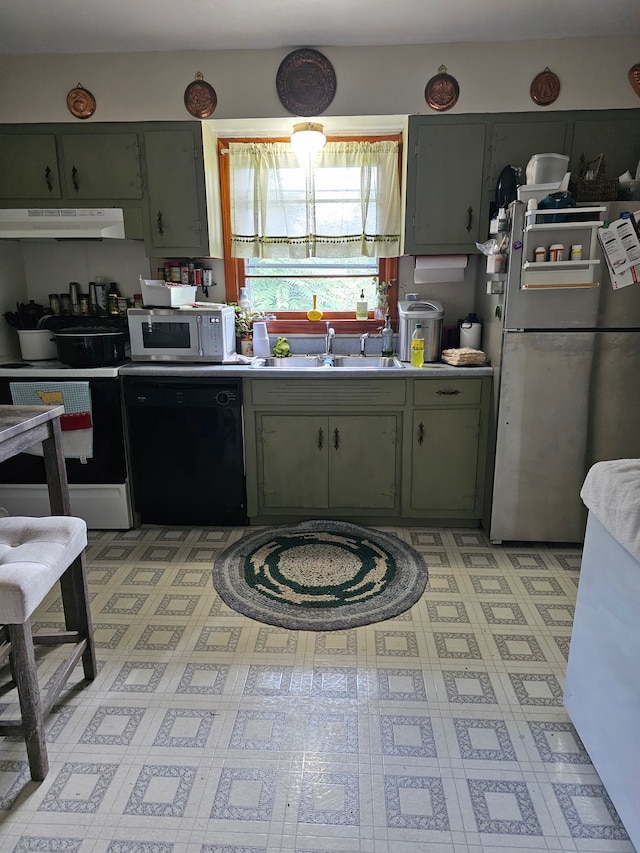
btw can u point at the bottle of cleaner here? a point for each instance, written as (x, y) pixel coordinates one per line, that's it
(245, 302)
(387, 337)
(417, 346)
(361, 307)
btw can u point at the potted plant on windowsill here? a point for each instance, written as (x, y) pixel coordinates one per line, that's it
(244, 328)
(382, 298)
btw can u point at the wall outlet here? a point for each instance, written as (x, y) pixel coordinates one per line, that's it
(495, 287)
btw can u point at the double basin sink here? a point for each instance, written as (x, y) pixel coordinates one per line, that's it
(323, 362)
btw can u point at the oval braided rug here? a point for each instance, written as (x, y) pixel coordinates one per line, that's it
(319, 575)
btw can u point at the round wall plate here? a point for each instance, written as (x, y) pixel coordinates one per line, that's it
(442, 91)
(634, 78)
(200, 98)
(305, 82)
(545, 88)
(81, 102)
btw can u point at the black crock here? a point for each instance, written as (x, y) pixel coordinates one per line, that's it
(84, 346)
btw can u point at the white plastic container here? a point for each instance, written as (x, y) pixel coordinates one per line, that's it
(37, 344)
(157, 293)
(546, 168)
(261, 346)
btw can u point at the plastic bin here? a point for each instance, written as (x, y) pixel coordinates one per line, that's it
(158, 294)
(546, 168)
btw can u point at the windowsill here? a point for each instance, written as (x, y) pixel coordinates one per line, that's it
(342, 326)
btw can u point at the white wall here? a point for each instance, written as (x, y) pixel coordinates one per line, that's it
(12, 290)
(370, 81)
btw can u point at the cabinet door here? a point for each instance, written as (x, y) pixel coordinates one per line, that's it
(174, 175)
(444, 459)
(292, 467)
(444, 187)
(29, 167)
(515, 143)
(618, 138)
(362, 462)
(101, 166)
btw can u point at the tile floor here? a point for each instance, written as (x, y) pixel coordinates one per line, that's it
(441, 730)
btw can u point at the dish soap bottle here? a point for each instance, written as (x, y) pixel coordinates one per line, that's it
(417, 346)
(361, 307)
(387, 338)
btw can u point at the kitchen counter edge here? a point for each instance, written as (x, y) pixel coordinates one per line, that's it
(431, 371)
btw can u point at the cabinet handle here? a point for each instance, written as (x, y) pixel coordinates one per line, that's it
(74, 178)
(336, 438)
(47, 177)
(448, 392)
(160, 224)
(420, 433)
(469, 218)
(320, 438)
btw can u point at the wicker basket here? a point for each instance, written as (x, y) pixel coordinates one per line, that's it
(597, 188)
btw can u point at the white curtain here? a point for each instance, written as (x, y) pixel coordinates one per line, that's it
(345, 204)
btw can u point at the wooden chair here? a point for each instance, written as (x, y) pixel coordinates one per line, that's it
(35, 553)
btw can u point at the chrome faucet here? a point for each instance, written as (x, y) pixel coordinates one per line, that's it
(328, 339)
(363, 342)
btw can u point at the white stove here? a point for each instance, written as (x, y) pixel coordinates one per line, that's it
(53, 369)
(98, 484)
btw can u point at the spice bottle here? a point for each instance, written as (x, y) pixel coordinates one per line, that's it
(112, 298)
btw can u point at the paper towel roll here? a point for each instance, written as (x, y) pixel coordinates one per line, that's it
(431, 269)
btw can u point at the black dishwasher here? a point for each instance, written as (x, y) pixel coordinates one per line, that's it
(186, 451)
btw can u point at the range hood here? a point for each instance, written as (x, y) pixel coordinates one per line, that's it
(90, 223)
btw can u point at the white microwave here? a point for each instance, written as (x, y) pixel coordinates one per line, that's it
(182, 334)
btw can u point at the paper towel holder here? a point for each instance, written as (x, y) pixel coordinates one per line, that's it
(435, 269)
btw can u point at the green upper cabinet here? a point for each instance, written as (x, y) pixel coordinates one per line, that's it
(101, 166)
(445, 175)
(29, 166)
(513, 143)
(176, 192)
(618, 140)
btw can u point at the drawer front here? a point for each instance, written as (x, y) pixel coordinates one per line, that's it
(328, 393)
(447, 392)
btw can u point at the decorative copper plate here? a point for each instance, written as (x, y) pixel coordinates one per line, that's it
(545, 88)
(305, 82)
(81, 102)
(441, 92)
(634, 78)
(200, 98)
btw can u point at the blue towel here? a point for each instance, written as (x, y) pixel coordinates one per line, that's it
(76, 399)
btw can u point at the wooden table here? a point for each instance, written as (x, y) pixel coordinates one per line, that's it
(23, 426)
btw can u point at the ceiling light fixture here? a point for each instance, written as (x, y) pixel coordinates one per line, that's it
(307, 139)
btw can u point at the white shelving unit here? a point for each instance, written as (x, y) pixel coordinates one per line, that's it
(539, 231)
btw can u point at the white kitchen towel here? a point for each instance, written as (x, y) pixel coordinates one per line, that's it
(432, 269)
(77, 442)
(611, 491)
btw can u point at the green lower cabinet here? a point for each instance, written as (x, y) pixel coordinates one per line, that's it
(348, 464)
(444, 461)
(293, 464)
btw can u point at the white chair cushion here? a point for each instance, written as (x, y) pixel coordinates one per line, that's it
(611, 491)
(34, 554)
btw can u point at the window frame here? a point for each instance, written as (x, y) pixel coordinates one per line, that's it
(344, 322)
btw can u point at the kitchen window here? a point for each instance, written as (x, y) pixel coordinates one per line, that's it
(330, 228)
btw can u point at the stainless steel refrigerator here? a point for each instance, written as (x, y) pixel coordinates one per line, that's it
(568, 387)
